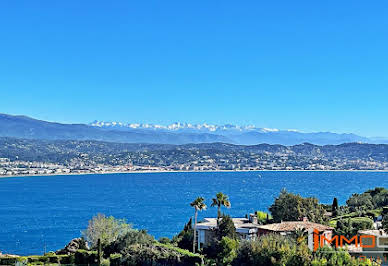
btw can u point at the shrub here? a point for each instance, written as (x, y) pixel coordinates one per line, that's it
(132, 237)
(228, 250)
(164, 240)
(327, 256)
(350, 227)
(115, 259)
(272, 250)
(185, 238)
(85, 257)
(108, 229)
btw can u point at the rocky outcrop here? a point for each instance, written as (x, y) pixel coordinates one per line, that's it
(74, 245)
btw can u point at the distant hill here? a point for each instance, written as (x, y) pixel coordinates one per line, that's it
(245, 135)
(350, 155)
(178, 133)
(29, 128)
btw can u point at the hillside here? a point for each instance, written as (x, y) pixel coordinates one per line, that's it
(206, 156)
(177, 133)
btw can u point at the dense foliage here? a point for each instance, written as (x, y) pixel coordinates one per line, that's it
(107, 229)
(272, 250)
(350, 227)
(371, 199)
(291, 207)
(327, 256)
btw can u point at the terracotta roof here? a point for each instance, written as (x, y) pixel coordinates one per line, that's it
(292, 226)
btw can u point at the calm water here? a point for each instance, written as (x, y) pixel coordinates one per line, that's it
(46, 212)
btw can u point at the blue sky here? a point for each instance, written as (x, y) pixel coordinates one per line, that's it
(307, 65)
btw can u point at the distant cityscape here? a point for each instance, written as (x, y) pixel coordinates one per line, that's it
(37, 157)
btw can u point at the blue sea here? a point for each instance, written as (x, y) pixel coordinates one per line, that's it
(43, 213)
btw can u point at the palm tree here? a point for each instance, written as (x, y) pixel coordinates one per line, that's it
(198, 205)
(300, 234)
(220, 200)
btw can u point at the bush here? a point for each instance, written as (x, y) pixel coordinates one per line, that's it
(228, 250)
(132, 237)
(350, 227)
(272, 250)
(85, 257)
(185, 238)
(327, 256)
(107, 229)
(115, 259)
(361, 223)
(157, 254)
(164, 240)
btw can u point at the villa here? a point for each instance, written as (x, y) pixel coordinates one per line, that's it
(244, 228)
(250, 229)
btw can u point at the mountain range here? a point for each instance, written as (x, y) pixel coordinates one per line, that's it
(177, 133)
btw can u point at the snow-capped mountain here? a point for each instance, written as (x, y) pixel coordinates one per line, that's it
(187, 127)
(246, 135)
(177, 133)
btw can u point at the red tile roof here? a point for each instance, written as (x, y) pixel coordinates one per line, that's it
(292, 226)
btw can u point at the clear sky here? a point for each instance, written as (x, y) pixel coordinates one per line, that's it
(307, 65)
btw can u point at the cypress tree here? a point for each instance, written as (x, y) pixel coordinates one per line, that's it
(334, 207)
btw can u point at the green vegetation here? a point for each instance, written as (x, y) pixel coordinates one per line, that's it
(220, 200)
(114, 242)
(359, 212)
(272, 250)
(185, 238)
(263, 217)
(291, 207)
(105, 229)
(349, 227)
(327, 256)
(334, 207)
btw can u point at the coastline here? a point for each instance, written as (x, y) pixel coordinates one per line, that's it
(186, 171)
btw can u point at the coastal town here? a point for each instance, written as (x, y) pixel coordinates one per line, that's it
(253, 162)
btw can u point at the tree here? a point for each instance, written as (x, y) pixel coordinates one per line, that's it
(185, 238)
(300, 234)
(107, 229)
(227, 250)
(220, 200)
(262, 217)
(292, 207)
(360, 202)
(226, 228)
(334, 207)
(198, 205)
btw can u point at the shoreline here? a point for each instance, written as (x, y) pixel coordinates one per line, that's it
(186, 171)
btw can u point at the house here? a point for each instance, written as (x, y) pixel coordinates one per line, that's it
(287, 228)
(244, 228)
(250, 229)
